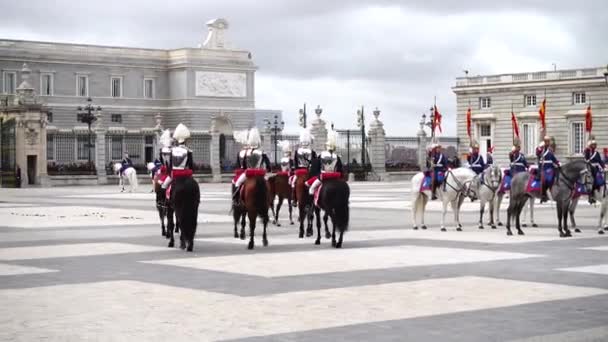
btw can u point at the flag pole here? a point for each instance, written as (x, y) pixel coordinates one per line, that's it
(512, 125)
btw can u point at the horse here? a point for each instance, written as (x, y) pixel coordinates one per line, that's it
(129, 173)
(256, 203)
(165, 209)
(499, 197)
(185, 197)
(304, 201)
(485, 186)
(238, 214)
(333, 200)
(455, 188)
(279, 187)
(561, 192)
(599, 195)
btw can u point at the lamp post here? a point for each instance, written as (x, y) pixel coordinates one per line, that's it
(429, 123)
(88, 114)
(302, 116)
(361, 124)
(275, 127)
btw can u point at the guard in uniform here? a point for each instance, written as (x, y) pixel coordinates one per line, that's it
(286, 162)
(439, 167)
(180, 163)
(125, 163)
(517, 160)
(593, 157)
(303, 157)
(547, 164)
(255, 158)
(475, 160)
(489, 157)
(330, 164)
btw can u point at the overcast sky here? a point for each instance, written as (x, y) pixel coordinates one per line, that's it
(396, 55)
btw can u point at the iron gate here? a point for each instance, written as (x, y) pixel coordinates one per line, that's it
(8, 166)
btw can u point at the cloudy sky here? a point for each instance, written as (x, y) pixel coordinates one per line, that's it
(341, 54)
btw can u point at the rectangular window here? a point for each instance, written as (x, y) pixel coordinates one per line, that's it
(528, 138)
(485, 130)
(49, 117)
(50, 147)
(530, 101)
(117, 118)
(116, 147)
(577, 137)
(82, 86)
(10, 82)
(149, 88)
(46, 84)
(484, 102)
(116, 86)
(83, 147)
(579, 98)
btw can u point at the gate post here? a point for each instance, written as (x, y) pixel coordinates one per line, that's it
(318, 131)
(421, 146)
(214, 158)
(377, 146)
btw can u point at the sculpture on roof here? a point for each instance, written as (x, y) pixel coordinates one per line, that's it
(215, 37)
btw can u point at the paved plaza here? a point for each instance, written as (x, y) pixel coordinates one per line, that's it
(89, 263)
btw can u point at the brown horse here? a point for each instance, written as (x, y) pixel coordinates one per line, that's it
(279, 186)
(304, 203)
(257, 201)
(165, 209)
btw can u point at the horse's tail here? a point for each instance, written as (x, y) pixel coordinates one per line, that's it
(189, 199)
(261, 197)
(340, 206)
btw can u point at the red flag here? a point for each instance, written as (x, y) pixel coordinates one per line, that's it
(437, 119)
(515, 125)
(469, 122)
(542, 113)
(588, 120)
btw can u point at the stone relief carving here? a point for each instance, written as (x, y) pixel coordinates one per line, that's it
(221, 84)
(31, 137)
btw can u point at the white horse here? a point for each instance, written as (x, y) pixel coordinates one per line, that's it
(452, 192)
(486, 191)
(130, 174)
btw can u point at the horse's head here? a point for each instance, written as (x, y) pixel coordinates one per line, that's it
(117, 167)
(493, 176)
(586, 177)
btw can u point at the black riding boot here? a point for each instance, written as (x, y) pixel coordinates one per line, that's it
(294, 199)
(544, 198)
(434, 191)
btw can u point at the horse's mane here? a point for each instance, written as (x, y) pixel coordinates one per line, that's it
(574, 167)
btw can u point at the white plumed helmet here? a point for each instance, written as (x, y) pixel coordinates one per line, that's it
(241, 136)
(150, 166)
(332, 137)
(254, 140)
(165, 139)
(305, 137)
(181, 133)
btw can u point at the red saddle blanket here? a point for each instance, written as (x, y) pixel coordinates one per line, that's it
(168, 192)
(301, 172)
(282, 173)
(237, 174)
(177, 173)
(255, 172)
(330, 175)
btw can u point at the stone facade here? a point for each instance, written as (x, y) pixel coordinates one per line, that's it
(568, 93)
(140, 91)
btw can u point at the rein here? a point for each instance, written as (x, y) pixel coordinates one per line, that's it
(461, 186)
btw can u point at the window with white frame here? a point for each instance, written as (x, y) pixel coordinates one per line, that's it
(117, 147)
(530, 101)
(116, 118)
(149, 88)
(82, 149)
(579, 98)
(82, 85)
(577, 137)
(116, 86)
(46, 84)
(485, 130)
(9, 82)
(529, 137)
(484, 102)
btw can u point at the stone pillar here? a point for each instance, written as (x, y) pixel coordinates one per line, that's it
(100, 155)
(318, 131)
(377, 146)
(422, 142)
(267, 143)
(214, 148)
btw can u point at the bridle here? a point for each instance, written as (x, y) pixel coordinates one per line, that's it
(462, 187)
(571, 184)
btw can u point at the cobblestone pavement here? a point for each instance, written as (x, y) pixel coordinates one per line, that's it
(88, 263)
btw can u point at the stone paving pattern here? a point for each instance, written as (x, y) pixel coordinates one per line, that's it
(88, 263)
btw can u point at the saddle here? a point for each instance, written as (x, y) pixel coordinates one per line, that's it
(282, 173)
(505, 184)
(427, 182)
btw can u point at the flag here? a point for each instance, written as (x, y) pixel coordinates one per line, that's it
(588, 120)
(514, 125)
(542, 113)
(469, 123)
(437, 120)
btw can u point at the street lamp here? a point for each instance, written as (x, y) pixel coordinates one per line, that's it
(429, 123)
(275, 127)
(361, 124)
(88, 114)
(302, 116)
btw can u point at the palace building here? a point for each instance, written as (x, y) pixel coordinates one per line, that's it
(568, 93)
(211, 89)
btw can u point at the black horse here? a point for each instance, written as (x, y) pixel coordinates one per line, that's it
(165, 210)
(185, 198)
(333, 200)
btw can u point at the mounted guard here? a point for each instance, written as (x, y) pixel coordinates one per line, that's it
(517, 160)
(286, 162)
(489, 157)
(438, 165)
(125, 163)
(302, 160)
(547, 165)
(330, 164)
(241, 138)
(255, 161)
(593, 157)
(475, 160)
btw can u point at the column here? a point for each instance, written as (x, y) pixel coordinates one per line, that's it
(377, 146)
(422, 142)
(319, 132)
(214, 149)
(267, 143)
(100, 155)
